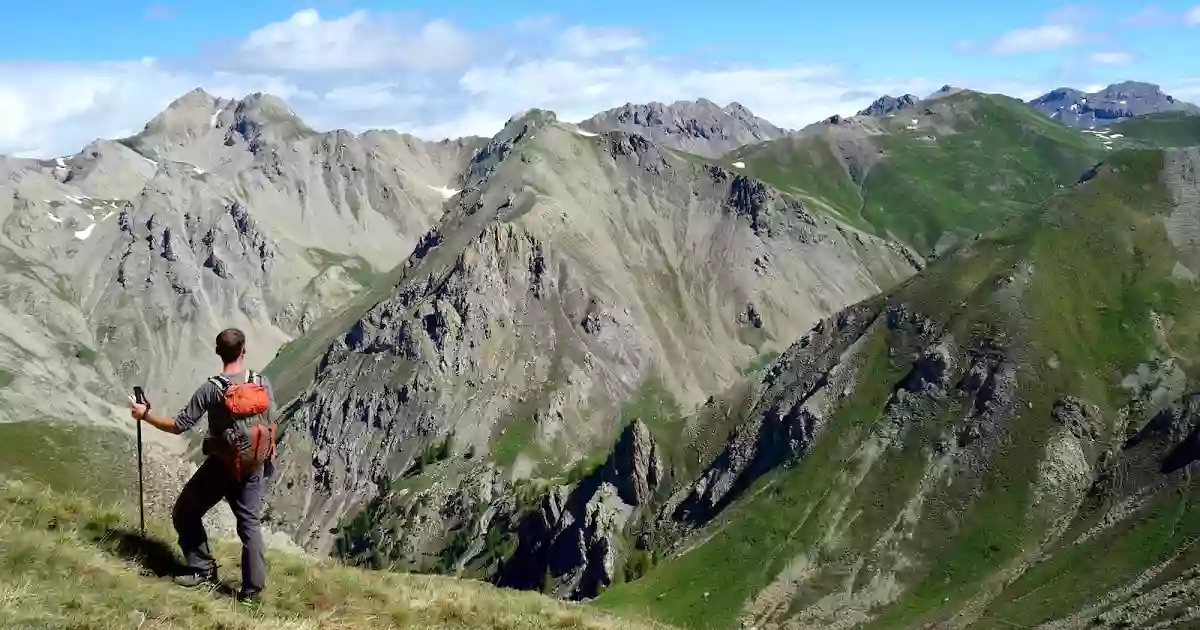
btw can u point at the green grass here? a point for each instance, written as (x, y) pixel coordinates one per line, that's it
(760, 362)
(6, 378)
(70, 457)
(1097, 262)
(518, 437)
(359, 270)
(1167, 129)
(1000, 160)
(1078, 575)
(68, 562)
(754, 539)
(86, 355)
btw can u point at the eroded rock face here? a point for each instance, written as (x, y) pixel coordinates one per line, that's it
(701, 127)
(567, 272)
(634, 467)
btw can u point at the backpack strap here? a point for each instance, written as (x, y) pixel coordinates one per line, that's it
(219, 381)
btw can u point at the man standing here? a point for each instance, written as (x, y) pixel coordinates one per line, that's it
(217, 479)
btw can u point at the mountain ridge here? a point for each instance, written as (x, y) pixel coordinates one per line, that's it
(1111, 104)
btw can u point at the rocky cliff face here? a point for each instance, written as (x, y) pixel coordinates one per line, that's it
(572, 269)
(1117, 102)
(701, 127)
(123, 261)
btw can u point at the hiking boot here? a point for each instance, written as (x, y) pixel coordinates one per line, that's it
(196, 578)
(249, 598)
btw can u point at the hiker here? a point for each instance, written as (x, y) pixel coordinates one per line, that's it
(240, 481)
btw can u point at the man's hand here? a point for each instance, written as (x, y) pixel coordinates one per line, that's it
(136, 409)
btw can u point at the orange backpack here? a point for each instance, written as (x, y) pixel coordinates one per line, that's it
(250, 437)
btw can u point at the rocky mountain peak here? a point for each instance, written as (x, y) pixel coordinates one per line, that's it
(700, 126)
(1114, 103)
(888, 104)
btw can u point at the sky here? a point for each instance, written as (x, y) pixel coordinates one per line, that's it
(72, 71)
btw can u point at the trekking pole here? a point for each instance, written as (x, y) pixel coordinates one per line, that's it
(140, 396)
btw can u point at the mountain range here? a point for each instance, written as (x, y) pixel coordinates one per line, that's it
(929, 365)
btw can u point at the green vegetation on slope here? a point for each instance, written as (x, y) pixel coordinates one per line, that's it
(753, 540)
(1167, 129)
(1068, 295)
(356, 267)
(71, 457)
(972, 162)
(67, 562)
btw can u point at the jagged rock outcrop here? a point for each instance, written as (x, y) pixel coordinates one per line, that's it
(701, 127)
(887, 104)
(578, 539)
(634, 468)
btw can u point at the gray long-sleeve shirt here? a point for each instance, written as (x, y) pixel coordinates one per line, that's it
(210, 398)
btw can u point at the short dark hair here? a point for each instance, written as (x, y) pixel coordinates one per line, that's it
(230, 344)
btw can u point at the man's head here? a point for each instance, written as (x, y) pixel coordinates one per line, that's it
(231, 345)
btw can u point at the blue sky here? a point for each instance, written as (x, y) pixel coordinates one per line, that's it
(71, 71)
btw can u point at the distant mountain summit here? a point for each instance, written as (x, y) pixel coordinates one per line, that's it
(701, 127)
(888, 104)
(1114, 103)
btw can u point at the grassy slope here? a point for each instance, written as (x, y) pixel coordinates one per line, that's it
(993, 158)
(1171, 129)
(71, 457)
(66, 562)
(1102, 263)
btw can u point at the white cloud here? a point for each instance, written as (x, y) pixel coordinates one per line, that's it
(1148, 17)
(1111, 58)
(1192, 16)
(1036, 39)
(582, 41)
(1061, 28)
(52, 109)
(306, 42)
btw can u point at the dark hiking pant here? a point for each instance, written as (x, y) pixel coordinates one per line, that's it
(210, 484)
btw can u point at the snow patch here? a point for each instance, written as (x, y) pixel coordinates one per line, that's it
(85, 232)
(91, 217)
(73, 199)
(150, 161)
(1124, 102)
(199, 171)
(446, 192)
(212, 122)
(110, 213)
(53, 218)
(585, 134)
(1117, 135)
(739, 165)
(60, 162)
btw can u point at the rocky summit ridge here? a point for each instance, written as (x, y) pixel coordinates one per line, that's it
(701, 127)
(1112, 104)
